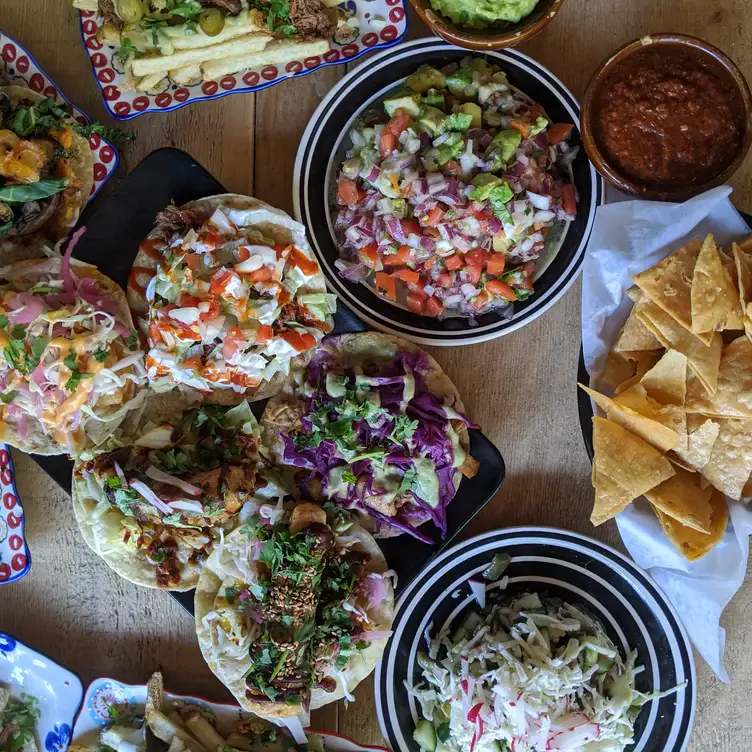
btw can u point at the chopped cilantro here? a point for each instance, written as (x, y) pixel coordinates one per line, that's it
(3, 321)
(113, 135)
(133, 341)
(18, 331)
(101, 353)
(8, 397)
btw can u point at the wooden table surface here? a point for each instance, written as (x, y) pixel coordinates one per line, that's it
(520, 388)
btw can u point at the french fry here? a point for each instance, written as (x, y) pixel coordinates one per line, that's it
(145, 66)
(235, 26)
(204, 731)
(275, 53)
(187, 75)
(166, 730)
(151, 82)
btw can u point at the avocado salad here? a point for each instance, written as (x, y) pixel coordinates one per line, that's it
(480, 14)
(527, 674)
(448, 196)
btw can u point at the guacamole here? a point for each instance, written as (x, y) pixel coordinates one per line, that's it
(479, 14)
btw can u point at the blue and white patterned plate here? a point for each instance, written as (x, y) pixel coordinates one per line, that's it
(18, 67)
(58, 690)
(105, 692)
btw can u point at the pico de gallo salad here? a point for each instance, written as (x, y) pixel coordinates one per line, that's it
(527, 675)
(448, 197)
(228, 307)
(71, 365)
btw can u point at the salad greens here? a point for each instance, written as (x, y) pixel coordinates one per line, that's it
(18, 720)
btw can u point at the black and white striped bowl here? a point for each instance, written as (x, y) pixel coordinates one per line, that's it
(609, 586)
(321, 151)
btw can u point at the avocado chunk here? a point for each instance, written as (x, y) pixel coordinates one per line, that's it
(434, 98)
(460, 83)
(425, 78)
(425, 735)
(457, 121)
(406, 101)
(538, 126)
(450, 149)
(506, 143)
(481, 66)
(484, 184)
(496, 191)
(472, 109)
(432, 120)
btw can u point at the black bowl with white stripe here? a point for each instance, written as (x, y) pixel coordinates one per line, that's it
(322, 149)
(558, 563)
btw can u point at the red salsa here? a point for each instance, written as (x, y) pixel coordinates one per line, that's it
(666, 118)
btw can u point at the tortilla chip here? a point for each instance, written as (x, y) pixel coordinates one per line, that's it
(655, 433)
(634, 335)
(669, 285)
(713, 295)
(618, 369)
(626, 461)
(643, 361)
(610, 498)
(634, 293)
(681, 498)
(700, 443)
(692, 544)
(730, 463)
(703, 360)
(743, 268)
(666, 381)
(733, 395)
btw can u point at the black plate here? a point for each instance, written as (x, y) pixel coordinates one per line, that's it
(324, 143)
(584, 404)
(117, 224)
(557, 563)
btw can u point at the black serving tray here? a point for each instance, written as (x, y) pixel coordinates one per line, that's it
(117, 223)
(584, 404)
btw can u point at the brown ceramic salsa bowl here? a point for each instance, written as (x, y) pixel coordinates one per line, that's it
(712, 60)
(493, 38)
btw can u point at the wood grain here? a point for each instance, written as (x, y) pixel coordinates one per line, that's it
(520, 388)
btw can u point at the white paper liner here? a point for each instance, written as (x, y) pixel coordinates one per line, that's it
(629, 237)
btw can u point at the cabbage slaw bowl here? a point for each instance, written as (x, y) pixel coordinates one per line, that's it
(322, 151)
(590, 576)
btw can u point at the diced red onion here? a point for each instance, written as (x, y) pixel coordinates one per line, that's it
(442, 139)
(143, 490)
(162, 477)
(541, 141)
(68, 283)
(186, 505)
(426, 243)
(26, 308)
(495, 225)
(451, 301)
(544, 216)
(120, 474)
(395, 230)
(429, 290)
(538, 201)
(469, 290)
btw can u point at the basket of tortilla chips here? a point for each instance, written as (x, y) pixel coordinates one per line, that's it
(677, 427)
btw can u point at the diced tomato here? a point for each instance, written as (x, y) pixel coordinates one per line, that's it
(451, 168)
(568, 200)
(347, 192)
(402, 257)
(482, 300)
(212, 239)
(418, 287)
(472, 273)
(411, 227)
(187, 301)
(500, 289)
(434, 306)
(213, 310)
(264, 333)
(528, 268)
(476, 257)
(415, 302)
(521, 126)
(453, 262)
(558, 132)
(243, 253)
(386, 286)
(406, 275)
(433, 217)
(264, 274)
(496, 263)
(398, 123)
(444, 279)
(233, 342)
(299, 340)
(193, 260)
(370, 255)
(154, 336)
(387, 142)
(220, 279)
(428, 264)
(306, 265)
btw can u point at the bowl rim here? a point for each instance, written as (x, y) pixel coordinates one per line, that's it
(422, 336)
(485, 39)
(625, 51)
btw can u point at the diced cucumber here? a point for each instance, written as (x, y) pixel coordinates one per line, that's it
(425, 735)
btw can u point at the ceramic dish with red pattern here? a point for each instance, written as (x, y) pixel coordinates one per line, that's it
(361, 26)
(18, 67)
